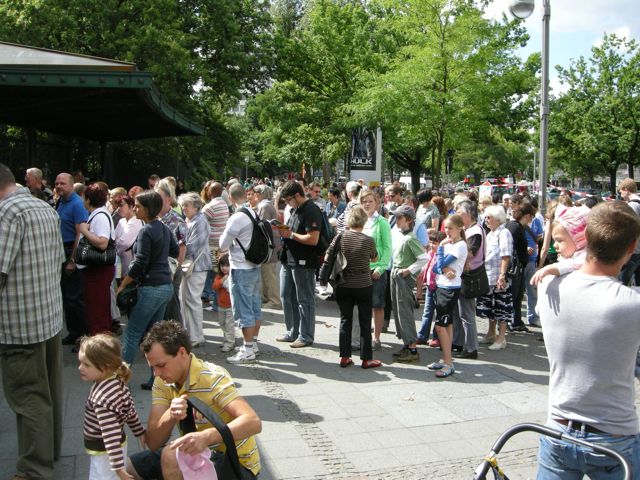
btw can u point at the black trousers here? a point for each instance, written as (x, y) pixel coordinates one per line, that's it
(72, 285)
(348, 298)
(517, 290)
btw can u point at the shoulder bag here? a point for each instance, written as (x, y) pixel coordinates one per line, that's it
(87, 254)
(334, 265)
(475, 282)
(227, 464)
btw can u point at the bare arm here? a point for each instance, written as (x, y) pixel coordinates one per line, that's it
(99, 242)
(159, 426)
(311, 238)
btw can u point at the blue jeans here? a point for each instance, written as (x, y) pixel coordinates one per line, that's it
(558, 460)
(246, 296)
(209, 293)
(532, 294)
(629, 269)
(427, 315)
(297, 286)
(152, 302)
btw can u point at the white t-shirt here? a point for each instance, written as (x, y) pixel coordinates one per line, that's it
(458, 250)
(239, 227)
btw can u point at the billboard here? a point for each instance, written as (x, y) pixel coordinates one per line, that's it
(365, 159)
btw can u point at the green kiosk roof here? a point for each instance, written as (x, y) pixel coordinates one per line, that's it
(81, 96)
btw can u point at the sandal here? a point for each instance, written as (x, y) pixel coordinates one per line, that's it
(445, 371)
(371, 363)
(345, 362)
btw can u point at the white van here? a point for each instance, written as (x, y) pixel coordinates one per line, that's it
(405, 181)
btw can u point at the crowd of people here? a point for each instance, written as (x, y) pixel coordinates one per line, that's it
(466, 257)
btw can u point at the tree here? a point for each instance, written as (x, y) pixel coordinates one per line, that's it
(203, 54)
(595, 125)
(454, 78)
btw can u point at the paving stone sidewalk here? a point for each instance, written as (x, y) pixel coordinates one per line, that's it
(321, 421)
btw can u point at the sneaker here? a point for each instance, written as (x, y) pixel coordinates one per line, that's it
(242, 356)
(498, 345)
(399, 352)
(436, 365)
(407, 357)
(284, 338)
(227, 347)
(486, 340)
(376, 345)
(256, 350)
(435, 343)
(299, 344)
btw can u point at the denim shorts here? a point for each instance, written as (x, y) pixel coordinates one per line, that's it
(246, 296)
(379, 290)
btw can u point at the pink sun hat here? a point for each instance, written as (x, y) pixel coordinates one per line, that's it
(574, 221)
(196, 467)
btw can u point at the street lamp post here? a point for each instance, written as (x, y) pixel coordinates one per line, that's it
(246, 168)
(522, 9)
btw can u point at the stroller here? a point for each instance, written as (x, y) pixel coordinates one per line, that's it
(491, 462)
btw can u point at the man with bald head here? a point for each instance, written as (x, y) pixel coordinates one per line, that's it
(70, 208)
(33, 181)
(217, 213)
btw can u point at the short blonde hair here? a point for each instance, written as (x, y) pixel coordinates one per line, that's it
(628, 184)
(357, 217)
(366, 193)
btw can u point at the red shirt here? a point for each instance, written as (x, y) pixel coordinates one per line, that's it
(224, 300)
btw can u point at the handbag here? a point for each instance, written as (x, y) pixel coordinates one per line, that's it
(87, 254)
(227, 464)
(333, 267)
(187, 266)
(127, 298)
(475, 283)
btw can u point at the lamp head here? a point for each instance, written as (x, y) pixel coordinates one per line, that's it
(521, 8)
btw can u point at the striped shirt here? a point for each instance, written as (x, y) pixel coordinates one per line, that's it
(359, 249)
(107, 409)
(217, 213)
(213, 385)
(32, 257)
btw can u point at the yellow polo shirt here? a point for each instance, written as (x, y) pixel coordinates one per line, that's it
(213, 385)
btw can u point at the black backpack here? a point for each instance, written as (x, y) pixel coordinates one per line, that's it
(262, 244)
(326, 235)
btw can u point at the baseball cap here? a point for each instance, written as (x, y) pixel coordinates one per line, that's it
(405, 211)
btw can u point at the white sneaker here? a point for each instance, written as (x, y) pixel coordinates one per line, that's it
(227, 347)
(498, 345)
(242, 356)
(256, 351)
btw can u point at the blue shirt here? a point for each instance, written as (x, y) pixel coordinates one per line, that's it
(72, 213)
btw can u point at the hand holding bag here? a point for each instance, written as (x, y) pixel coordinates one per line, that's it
(227, 465)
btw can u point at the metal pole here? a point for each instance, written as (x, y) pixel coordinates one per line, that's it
(534, 171)
(544, 106)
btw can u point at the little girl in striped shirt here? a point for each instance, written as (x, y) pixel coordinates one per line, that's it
(108, 407)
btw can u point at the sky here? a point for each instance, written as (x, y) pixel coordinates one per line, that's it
(575, 27)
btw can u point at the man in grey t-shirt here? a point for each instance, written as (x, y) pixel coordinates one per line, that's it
(592, 335)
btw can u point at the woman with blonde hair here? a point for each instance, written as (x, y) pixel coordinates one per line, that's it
(356, 290)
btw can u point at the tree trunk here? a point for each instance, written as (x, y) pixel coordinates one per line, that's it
(612, 180)
(630, 169)
(415, 172)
